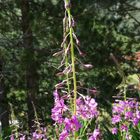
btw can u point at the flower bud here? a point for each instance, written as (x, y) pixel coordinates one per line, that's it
(88, 66)
(67, 5)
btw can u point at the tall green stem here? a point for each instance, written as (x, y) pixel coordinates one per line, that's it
(72, 59)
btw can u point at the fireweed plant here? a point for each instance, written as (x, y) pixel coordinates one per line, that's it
(125, 111)
(72, 111)
(126, 118)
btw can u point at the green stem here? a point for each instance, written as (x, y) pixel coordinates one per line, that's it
(72, 61)
(66, 46)
(67, 76)
(88, 123)
(124, 93)
(65, 31)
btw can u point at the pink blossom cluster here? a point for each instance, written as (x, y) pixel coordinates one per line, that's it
(59, 108)
(86, 109)
(125, 113)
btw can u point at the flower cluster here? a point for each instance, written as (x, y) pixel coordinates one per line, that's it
(125, 113)
(59, 108)
(86, 108)
(70, 125)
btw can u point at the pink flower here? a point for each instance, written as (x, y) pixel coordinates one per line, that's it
(114, 130)
(138, 114)
(135, 121)
(124, 127)
(86, 108)
(12, 137)
(116, 119)
(128, 115)
(72, 124)
(95, 135)
(64, 135)
(59, 108)
(22, 137)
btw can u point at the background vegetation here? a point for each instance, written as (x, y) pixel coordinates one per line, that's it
(31, 32)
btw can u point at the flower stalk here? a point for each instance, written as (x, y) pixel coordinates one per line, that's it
(67, 5)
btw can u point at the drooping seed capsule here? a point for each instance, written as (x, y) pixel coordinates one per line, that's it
(82, 54)
(60, 74)
(77, 42)
(93, 91)
(87, 66)
(59, 85)
(58, 53)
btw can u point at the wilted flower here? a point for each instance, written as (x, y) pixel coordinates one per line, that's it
(128, 136)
